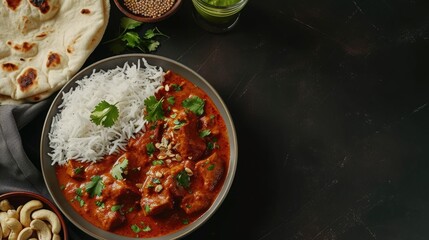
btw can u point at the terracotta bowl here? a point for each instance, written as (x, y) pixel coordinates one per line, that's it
(120, 4)
(20, 198)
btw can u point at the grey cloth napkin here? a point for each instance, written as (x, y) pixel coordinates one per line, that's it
(17, 171)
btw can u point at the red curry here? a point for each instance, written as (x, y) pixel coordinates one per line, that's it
(167, 177)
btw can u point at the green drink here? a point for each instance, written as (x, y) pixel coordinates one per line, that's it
(221, 3)
(217, 15)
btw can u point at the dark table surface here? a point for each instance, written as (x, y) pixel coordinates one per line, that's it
(330, 104)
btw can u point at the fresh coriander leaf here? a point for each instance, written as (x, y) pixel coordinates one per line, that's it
(99, 204)
(80, 200)
(156, 180)
(128, 23)
(212, 116)
(185, 221)
(211, 167)
(205, 133)
(154, 109)
(171, 100)
(176, 87)
(116, 208)
(157, 162)
(135, 228)
(212, 144)
(132, 39)
(105, 114)
(62, 187)
(146, 229)
(78, 170)
(95, 187)
(194, 104)
(152, 45)
(130, 209)
(118, 169)
(147, 208)
(178, 124)
(78, 191)
(150, 33)
(183, 179)
(150, 148)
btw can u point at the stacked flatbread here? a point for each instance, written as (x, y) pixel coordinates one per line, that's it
(43, 43)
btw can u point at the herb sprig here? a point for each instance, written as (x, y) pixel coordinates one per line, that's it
(105, 114)
(132, 39)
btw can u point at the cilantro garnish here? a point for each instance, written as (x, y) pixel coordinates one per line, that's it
(157, 162)
(146, 229)
(211, 167)
(105, 114)
(205, 133)
(171, 100)
(132, 39)
(135, 228)
(78, 196)
(147, 208)
(185, 221)
(183, 179)
(78, 170)
(118, 169)
(178, 124)
(176, 87)
(194, 104)
(95, 187)
(99, 204)
(116, 208)
(154, 110)
(150, 148)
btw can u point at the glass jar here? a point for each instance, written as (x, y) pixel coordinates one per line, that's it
(217, 15)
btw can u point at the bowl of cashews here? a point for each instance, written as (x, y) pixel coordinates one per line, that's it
(27, 215)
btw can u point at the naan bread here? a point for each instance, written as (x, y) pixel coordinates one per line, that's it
(43, 43)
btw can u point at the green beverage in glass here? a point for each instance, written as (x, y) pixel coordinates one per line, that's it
(217, 15)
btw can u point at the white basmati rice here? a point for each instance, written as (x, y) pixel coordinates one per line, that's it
(74, 136)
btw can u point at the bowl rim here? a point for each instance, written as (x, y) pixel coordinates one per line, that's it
(120, 5)
(132, 58)
(45, 200)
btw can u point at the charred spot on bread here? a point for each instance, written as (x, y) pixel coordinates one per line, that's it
(27, 79)
(85, 11)
(42, 5)
(13, 4)
(54, 60)
(9, 67)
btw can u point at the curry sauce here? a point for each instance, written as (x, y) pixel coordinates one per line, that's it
(167, 176)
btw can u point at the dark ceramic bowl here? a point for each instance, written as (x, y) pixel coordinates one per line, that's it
(124, 9)
(111, 63)
(20, 198)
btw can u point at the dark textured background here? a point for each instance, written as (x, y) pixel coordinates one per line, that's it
(330, 102)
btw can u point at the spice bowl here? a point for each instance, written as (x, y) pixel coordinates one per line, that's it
(30, 207)
(148, 11)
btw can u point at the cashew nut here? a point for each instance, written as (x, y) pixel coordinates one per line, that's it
(27, 209)
(51, 217)
(5, 205)
(18, 209)
(12, 213)
(25, 233)
(15, 227)
(42, 230)
(56, 237)
(5, 229)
